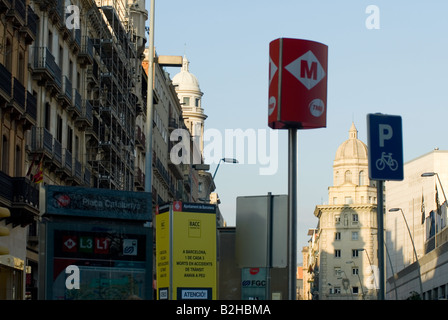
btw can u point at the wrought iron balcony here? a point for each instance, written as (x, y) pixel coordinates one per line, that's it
(17, 13)
(46, 71)
(85, 56)
(5, 83)
(86, 118)
(65, 96)
(23, 196)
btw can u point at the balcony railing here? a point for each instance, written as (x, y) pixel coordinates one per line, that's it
(18, 95)
(44, 62)
(57, 151)
(31, 106)
(41, 140)
(5, 82)
(23, 196)
(17, 12)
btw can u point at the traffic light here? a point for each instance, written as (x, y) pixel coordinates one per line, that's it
(4, 231)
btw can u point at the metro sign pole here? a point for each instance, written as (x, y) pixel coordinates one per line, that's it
(297, 100)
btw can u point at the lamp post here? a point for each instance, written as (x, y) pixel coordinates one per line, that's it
(413, 246)
(430, 174)
(227, 160)
(149, 103)
(371, 267)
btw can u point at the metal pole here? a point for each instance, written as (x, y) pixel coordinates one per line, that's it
(415, 253)
(149, 104)
(380, 219)
(292, 210)
(269, 246)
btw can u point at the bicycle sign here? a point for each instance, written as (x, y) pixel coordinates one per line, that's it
(385, 147)
(386, 159)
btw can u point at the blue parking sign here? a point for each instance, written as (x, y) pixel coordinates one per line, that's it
(385, 147)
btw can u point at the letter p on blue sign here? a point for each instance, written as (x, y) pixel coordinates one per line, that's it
(385, 147)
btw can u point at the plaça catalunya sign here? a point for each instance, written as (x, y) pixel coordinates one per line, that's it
(297, 84)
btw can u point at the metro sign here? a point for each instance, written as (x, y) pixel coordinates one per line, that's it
(307, 70)
(297, 84)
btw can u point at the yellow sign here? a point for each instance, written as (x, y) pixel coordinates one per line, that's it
(192, 260)
(163, 254)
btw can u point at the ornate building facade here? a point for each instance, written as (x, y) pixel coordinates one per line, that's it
(345, 242)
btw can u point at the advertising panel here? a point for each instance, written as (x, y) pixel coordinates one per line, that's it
(95, 244)
(190, 252)
(110, 259)
(163, 252)
(297, 84)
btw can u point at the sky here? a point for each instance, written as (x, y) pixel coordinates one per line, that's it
(398, 68)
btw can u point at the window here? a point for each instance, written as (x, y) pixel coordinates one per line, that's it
(355, 235)
(8, 55)
(59, 129)
(337, 236)
(47, 115)
(355, 218)
(337, 271)
(196, 102)
(348, 200)
(355, 290)
(186, 101)
(355, 253)
(355, 271)
(21, 68)
(337, 219)
(335, 290)
(70, 139)
(337, 253)
(361, 178)
(348, 176)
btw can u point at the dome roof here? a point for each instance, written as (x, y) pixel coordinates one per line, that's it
(353, 148)
(185, 80)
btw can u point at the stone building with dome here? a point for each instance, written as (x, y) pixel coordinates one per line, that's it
(346, 240)
(190, 97)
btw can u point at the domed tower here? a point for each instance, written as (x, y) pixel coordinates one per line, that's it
(190, 95)
(351, 182)
(347, 227)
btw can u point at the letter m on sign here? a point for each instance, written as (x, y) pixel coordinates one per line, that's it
(306, 72)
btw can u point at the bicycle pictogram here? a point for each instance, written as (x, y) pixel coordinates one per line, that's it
(386, 159)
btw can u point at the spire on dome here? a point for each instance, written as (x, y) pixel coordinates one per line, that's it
(185, 64)
(353, 132)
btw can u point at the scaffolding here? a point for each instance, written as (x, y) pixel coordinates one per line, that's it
(113, 76)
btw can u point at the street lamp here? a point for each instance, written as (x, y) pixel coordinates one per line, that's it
(430, 174)
(412, 240)
(227, 160)
(371, 267)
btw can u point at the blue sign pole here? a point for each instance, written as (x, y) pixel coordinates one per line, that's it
(385, 156)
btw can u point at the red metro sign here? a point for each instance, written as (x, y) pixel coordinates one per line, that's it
(297, 84)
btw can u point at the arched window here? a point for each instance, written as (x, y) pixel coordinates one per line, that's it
(361, 178)
(348, 176)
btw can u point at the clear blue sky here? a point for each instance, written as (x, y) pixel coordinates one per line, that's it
(398, 69)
